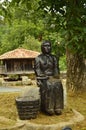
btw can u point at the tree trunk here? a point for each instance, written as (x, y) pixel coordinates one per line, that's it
(76, 72)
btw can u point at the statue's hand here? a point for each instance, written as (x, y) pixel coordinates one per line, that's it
(39, 83)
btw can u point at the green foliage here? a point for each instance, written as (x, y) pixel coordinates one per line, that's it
(31, 43)
(46, 17)
(18, 35)
(13, 77)
(71, 16)
(62, 63)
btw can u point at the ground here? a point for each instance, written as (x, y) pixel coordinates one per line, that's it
(9, 115)
(78, 102)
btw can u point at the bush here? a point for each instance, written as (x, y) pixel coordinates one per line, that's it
(62, 63)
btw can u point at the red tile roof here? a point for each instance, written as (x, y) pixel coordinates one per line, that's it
(19, 53)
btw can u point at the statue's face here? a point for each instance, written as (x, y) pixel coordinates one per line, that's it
(46, 48)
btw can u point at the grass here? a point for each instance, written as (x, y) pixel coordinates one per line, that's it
(8, 109)
(48, 120)
(78, 102)
(8, 112)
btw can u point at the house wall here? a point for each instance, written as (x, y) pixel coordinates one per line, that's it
(18, 65)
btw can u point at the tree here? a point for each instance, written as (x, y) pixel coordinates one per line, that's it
(76, 41)
(72, 23)
(20, 30)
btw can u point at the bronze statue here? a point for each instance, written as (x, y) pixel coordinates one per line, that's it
(51, 90)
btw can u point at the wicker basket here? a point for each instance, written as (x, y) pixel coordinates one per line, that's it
(27, 109)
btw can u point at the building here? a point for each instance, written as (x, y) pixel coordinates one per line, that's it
(19, 61)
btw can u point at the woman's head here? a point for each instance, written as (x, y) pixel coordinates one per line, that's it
(46, 47)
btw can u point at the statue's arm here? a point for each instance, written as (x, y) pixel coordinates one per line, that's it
(39, 74)
(37, 66)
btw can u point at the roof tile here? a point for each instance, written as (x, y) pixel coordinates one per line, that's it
(19, 53)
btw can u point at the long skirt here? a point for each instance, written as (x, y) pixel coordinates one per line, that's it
(51, 95)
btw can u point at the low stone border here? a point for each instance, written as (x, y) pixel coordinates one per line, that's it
(17, 126)
(26, 125)
(75, 119)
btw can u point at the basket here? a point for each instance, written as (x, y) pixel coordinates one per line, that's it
(27, 109)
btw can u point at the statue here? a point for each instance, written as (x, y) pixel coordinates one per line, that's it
(51, 90)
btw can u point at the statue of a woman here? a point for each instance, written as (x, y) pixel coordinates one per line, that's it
(46, 70)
